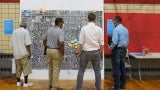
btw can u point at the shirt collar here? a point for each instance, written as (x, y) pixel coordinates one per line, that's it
(91, 23)
(21, 28)
(57, 27)
(119, 25)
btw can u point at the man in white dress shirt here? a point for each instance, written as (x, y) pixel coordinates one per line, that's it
(91, 42)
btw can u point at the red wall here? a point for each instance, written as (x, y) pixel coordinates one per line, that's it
(9, 1)
(134, 1)
(144, 30)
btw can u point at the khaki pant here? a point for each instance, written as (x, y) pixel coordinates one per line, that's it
(55, 60)
(23, 65)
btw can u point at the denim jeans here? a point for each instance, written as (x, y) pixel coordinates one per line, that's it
(118, 64)
(94, 57)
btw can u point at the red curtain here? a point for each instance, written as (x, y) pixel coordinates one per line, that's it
(143, 30)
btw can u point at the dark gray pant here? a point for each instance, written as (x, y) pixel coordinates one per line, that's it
(85, 57)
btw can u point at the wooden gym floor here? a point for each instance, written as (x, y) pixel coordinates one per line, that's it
(148, 83)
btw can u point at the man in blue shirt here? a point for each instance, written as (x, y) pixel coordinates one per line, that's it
(120, 40)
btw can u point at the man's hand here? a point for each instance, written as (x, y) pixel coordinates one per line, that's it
(29, 56)
(78, 50)
(77, 54)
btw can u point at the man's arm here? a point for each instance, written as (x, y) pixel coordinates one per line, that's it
(62, 47)
(28, 42)
(28, 49)
(101, 42)
(45, 40)
(78, 50)
(102, 48)
(114, 40)
(45, 46)
(45, 43)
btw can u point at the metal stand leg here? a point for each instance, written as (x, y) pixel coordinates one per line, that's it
(130, 70)
(140, 71)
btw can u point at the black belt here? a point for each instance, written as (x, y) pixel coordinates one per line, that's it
(121, 47)
(115, 48)
(53, 48)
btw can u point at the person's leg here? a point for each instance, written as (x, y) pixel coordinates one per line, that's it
(83, 64)
(27, 69)
(18, 71)
(50, 63)
(115, 60)
(123, 69)
(57, 61)
(123, 75)
(26, 79)
(18, 79)
(95, 59)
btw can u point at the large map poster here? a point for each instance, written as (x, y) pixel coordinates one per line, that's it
(42, 16)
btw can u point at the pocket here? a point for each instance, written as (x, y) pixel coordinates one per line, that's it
(57, 55)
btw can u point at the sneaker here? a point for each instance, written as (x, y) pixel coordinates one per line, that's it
(19, 84)
(28, 85)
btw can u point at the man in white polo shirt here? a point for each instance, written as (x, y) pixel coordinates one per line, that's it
(21, 42)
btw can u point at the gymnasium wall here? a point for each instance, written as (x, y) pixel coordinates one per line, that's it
(7, 11)
(133, 1)
(9, 1)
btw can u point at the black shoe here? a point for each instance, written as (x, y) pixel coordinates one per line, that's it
(50, 86)
(122, 89)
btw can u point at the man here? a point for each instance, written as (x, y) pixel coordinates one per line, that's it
(54, 41)
(21, 42)
(120, 40)
(91, 42)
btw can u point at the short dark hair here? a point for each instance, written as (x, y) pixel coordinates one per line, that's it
(58, 20)
(23, 24)
(118, 19)
(91, 16)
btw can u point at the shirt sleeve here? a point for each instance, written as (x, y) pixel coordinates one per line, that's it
(27, 38)
(61, 36)
(114, 39)
(45, 36)
(81, 36)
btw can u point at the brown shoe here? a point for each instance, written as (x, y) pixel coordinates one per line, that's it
(59, 88)
(50, 86)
